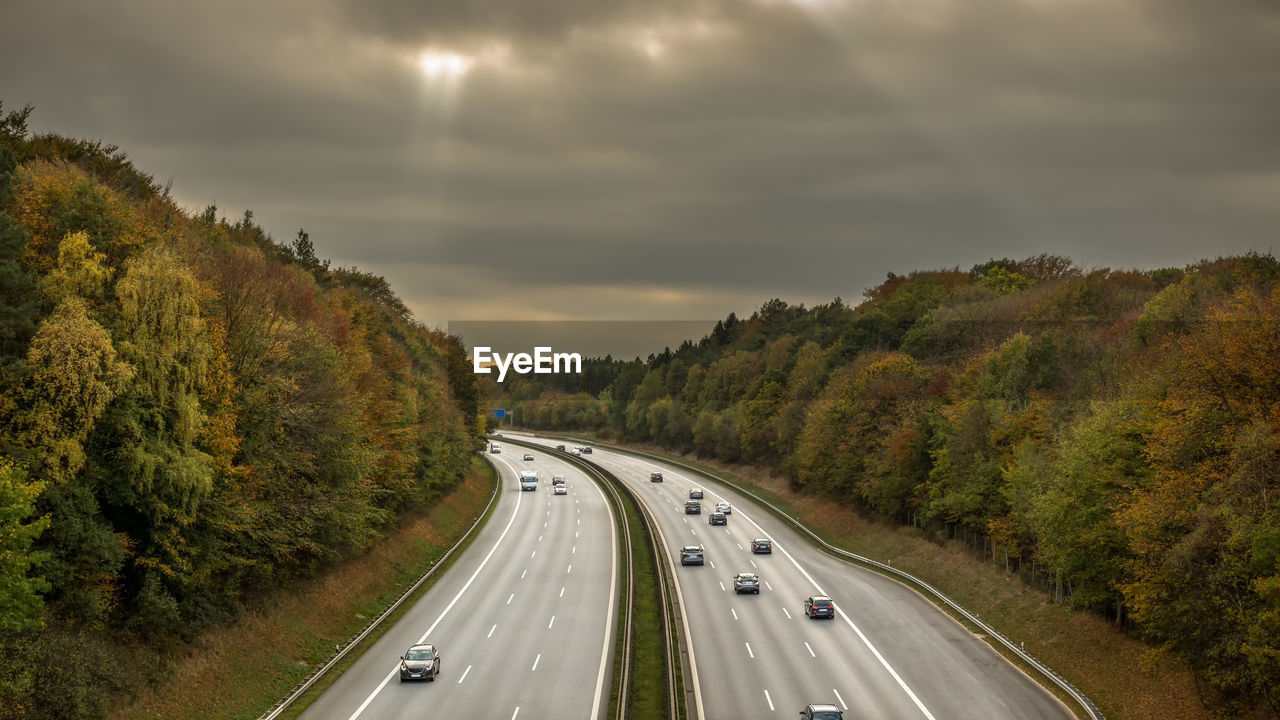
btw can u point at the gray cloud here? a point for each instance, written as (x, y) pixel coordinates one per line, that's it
(620, 159)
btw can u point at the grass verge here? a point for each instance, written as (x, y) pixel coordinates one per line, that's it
(1126, 678)
(648, 692)
(236, 672)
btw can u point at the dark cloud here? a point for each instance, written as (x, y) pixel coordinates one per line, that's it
(620, 159)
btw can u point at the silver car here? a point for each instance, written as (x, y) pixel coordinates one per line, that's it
(420, 662)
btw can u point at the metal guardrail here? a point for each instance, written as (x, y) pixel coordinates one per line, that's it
(1048, 673)
(671, 629)
(341, 651)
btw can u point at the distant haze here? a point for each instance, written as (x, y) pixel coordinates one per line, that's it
(623, 340)
(640, 159)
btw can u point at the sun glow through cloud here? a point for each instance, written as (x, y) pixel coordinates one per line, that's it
(443, 65)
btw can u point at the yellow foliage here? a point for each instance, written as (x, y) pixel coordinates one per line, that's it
(53, 198)
(79, 271)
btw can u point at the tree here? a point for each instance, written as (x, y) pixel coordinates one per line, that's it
(20, 602)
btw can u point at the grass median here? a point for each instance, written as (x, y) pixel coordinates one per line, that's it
(237, 672)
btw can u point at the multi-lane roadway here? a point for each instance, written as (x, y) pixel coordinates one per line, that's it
(523, 621)
(889, 654)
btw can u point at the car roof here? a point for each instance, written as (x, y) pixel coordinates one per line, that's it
(746, 575)
(761, 540)
(687, 548)
(823, 707)
(425, 646)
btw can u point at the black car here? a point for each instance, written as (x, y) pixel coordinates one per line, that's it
(528, 456)
(693, 507)
(586, 450)
(821, 711)
(695, 494)
(559, 447)
(818, 606)
(420, 662)
(717, 518)
(746, 583)
(655, 477)
(762, 546)
(691, 555)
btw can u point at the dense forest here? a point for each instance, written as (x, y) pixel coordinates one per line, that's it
(191, 416)
(1113, 436)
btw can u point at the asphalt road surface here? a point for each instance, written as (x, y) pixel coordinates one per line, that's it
(889, 654)
(523, 621)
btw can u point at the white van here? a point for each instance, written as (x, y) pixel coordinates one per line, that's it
(528, 480)
(495, 448)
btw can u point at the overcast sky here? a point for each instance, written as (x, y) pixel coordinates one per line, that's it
(663, 160)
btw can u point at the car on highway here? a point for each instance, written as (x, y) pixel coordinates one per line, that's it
(560, 490)
(761, 546)
(717, 518)
(821, 711)
(559, 447)
(655, 477)
(528, 456)
(557, 479)
(420, 662)
(746, 583)
(693, 507)
(724, 507)
(691, 555)
(816, 606)
(695, 494)
(575, 451)
(495, 448)
(586, 450)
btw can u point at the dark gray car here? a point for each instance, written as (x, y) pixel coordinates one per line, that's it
(420, 662)
(691, 555)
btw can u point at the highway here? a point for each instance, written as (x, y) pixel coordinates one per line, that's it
(523, 621)
(888, 655)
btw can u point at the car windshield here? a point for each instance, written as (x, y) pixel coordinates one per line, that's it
(827, 715)
(821, 603)
(419, 654)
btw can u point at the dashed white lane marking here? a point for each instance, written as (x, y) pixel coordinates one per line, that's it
(539, 538)
(464, 674)
(769, 699)
(740, 547)
(573, 550)
(753, 655)
(713, 564)
(842, 702)
(754, 565)
(735, 614)
(695, 532)
(535, 663)
(514, 714)
(811, 652)
(570, 568)
(526, 572)
(553, 622)
(495, 627)
(561, 592)
(784, 610)
(535, 552)
(766, 584)
(722, 586)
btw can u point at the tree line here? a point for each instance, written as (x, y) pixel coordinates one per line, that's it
(1112, 435)
(192, 415)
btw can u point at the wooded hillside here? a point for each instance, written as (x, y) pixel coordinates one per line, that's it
(1113, 436)
(192, 416)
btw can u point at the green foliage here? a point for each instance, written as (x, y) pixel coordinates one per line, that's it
(20, 601)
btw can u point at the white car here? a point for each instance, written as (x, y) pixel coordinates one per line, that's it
(561, 490)
(724, 507)
(575, 451)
